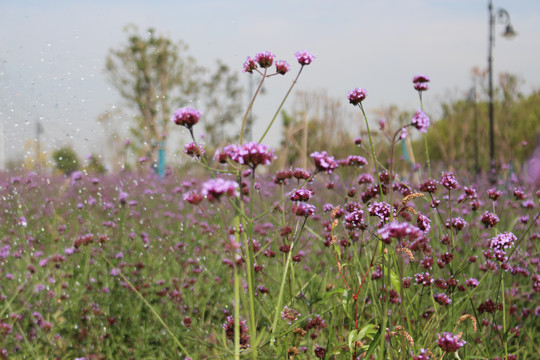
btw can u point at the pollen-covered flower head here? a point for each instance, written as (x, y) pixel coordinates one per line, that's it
(420, 121)
(282, 67)
(249, 65)
(356, 96)
(324, 162)
(265, 59)
(304, 57)
(186, 116)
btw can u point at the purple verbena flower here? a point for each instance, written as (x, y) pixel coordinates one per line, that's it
(399, 231)
(449, 342)
(282, 67)
(304, 57)
(472, 282)
(228, 326)
(502, 241)
(356, 161)
(448, 180)
(381, 210)
(265, 59)
(290, 315)
(303, 209)
(213, 189)
(357, 95)
(324, 162)
(301, 195)
(442, 299)
(420, 82)
(186, 116)
(194, 150)
(489, 219)
(423, 355)
(424, 279)
(251, 154)
(420, 121)
(249, 65)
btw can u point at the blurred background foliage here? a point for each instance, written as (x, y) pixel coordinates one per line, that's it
(155, 76)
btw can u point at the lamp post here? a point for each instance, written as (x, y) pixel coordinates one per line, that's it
(504, 18)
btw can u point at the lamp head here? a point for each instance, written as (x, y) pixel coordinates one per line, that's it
(509, 32)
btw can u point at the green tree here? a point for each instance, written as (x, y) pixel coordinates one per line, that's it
(455, 140)
(155, 76)
(151, 74)
(66, 160)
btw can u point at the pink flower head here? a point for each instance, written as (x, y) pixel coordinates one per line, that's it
(303, 209)
(187, 117)
(265, 59)
(304, 57)
(194, 150)
(421, 86)
(324, 162)
(420, 82)
(249, 65)
(400, 231)
(449, 342)
(356, 96)
(356, 161)
(213, 189)
(257, 154)
(301, 195)
(448, 180)
(420, 79)
(282, 67)
(420, 121)
(502, 241)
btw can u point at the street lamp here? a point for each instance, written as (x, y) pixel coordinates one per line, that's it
(503, 17)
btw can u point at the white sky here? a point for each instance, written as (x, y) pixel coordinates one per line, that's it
(52, 53)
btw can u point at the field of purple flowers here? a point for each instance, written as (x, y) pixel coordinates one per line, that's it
(343, 260)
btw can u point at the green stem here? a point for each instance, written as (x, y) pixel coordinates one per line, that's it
(281, 105)
(372, 152)
(425, 139)
(244, 120)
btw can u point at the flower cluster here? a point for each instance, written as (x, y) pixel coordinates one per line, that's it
(356, 161)
(187, 117)
(400, 231)
(449, 342)
(251, 154)
(500, 243)
(265, 59)
(356, 96)
(228, 326)
(301, 195)
(282, 67)
(303, 209)
(420, 121)
(324, 162)
(290, 315)
(420, 82)
(213, 189)
(304, 57)
(194, 150)
(448, 180)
